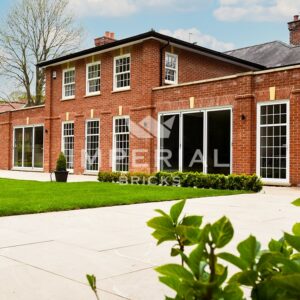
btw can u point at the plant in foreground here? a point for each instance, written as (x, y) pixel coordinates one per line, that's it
(272, 274)
(93, 284)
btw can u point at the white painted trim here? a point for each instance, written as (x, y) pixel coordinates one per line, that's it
(64, 71)
(63, 144)
(114, 141)
(176, 68)
(85, 156)
(87, 93)
(271, 180)
(115, 89)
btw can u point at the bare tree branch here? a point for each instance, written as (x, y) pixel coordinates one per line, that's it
(35, 31)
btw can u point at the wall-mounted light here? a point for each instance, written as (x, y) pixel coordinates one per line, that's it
(54, 74)
(243, 117)
(46, 130)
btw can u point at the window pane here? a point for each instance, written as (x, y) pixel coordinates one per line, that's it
(218, 142)
(192, 142)
(169, 143)
(68, 146)
(92, 146)
(38, 147)
(18, 147)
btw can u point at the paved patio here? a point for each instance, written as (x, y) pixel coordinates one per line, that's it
(46, 256)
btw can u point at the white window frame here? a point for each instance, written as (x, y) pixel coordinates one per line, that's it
(63, 142)
(176, 68)
(115, 88)
(88, 93)
(86, 140)
(258, 136)
(64, 97)
(114, 158)
(33, 138)
(205, 137)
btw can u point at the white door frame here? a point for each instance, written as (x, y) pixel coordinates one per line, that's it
(271, 180)
(32, 126)
(205, 139)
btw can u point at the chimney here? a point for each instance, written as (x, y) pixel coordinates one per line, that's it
(108, 37)
(294, 28)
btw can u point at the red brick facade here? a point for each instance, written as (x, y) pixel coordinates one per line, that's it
(219, 84)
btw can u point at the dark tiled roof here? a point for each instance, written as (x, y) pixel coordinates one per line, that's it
(272, 54)
(159, 36)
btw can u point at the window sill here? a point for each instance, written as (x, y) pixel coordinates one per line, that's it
(92, 95)
(67, 99)
(121, 90)
(171, 82)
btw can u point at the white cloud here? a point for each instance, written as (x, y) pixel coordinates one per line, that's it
(194, 35)
(117, 8)
(257, 10)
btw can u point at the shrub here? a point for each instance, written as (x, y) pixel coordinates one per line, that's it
(272, 274)
(61, 163)
(187, 179)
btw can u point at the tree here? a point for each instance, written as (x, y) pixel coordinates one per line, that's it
(35, 31)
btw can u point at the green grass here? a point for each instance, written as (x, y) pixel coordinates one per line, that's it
(25, 197)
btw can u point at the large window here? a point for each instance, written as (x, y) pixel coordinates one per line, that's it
(273, 141)
(196, 141)
(68, 84)
(122, 72)
(171, 68)
(92, 145)
(29, 147)
(121, 144)
(93, 75)
(68, 143)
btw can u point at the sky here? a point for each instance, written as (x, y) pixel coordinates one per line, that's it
(217, 24)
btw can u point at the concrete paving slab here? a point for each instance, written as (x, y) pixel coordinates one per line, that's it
(54, 251)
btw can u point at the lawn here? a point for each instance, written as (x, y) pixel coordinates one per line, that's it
(25, 197)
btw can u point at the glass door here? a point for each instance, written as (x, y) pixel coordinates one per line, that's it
(218, 142)
(18, 147)
(192, 142)
(28, 147)
(38, 147)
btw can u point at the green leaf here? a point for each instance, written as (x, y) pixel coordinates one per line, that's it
(162, 213)
(247, 278)
(222, 232)
(195, 259)
(171, 281)
(176, 210)
(163, 236)
(296, 229)
(194, 221)
(175, 270)
(296, 202)
(233, 292)
(175, 252)
(235, 260)
(289, 283)
(191, 234)
(92, 281)
(293, 240)
(248, 250)
(162, 223)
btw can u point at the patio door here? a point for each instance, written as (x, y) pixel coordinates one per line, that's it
(273, 142)
(196, 141)
(28, 147)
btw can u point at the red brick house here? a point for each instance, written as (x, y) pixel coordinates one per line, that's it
(152, 102)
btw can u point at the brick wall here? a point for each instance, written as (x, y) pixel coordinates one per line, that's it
(242, 93)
